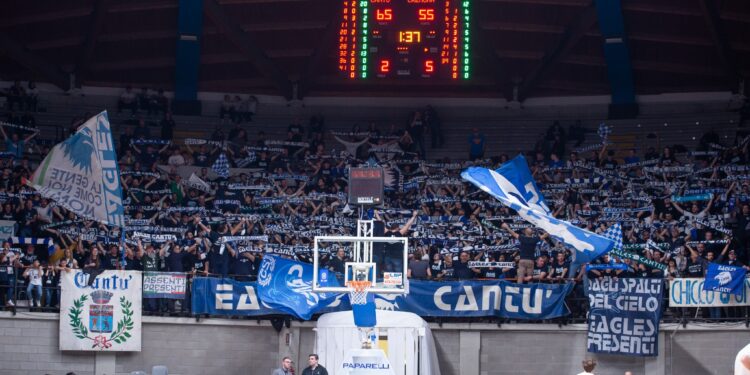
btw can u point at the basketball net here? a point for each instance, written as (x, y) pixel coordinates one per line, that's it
(358, 294)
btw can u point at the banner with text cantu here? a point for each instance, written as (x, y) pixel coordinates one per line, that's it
(103, 316)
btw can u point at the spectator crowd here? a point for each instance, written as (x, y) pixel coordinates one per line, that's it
(216, 206)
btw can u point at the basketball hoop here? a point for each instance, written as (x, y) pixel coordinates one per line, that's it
(358, 294)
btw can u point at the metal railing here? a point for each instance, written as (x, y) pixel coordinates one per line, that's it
(576, 301)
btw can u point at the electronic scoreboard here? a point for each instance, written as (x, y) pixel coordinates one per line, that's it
(402, 39)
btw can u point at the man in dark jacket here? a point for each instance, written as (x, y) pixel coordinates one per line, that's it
(314, 368)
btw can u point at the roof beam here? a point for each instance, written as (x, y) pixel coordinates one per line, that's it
(719, 37)
(568, 3)
(519, 54)
(233, 2)
(283, 26)
(55, 43)
(37, 17)
(642, 65)
(147, 63)
(660, 9)
(245, 43)
(522, 27)
(669, 39)
(572, 34)
(136, 35)
(128, 7)
(49, 71)
(96, 25)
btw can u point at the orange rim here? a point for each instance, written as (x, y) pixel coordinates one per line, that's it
(359, 285)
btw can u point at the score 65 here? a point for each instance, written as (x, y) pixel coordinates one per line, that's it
(384, 14)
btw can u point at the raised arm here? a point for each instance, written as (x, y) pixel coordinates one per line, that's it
(507, 228)
(200, 224)
(405, 229)
(677, 207)
(31, 136)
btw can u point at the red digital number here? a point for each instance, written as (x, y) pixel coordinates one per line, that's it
(384, 14)
(429, 66)
(385, 66)
(426, 14)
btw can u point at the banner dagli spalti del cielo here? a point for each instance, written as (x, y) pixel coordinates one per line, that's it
(103, 316)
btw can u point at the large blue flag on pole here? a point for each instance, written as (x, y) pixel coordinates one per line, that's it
(513, 185)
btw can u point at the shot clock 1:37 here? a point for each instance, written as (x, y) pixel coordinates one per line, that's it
(401, 39)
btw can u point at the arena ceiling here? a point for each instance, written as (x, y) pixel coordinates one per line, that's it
(547, 47)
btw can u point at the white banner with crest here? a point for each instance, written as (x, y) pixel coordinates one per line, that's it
(103, 316)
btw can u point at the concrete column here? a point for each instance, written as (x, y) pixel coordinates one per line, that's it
(289, 347)
(105, 363)
(657, 365)
(469, 351)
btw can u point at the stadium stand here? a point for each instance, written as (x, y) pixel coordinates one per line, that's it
(286, 174)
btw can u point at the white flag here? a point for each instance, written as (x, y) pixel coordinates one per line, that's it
(81, 174)
(196, 182)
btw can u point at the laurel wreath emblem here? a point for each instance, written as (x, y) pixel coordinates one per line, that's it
(120, 335)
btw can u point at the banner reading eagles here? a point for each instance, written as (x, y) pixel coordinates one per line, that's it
(105, 316)
(81, 174)
(624, 316)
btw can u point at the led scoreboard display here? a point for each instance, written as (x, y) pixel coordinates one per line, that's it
(405, 39)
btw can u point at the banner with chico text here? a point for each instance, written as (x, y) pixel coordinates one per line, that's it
(689, 292)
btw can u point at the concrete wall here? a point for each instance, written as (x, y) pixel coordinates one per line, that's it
(29, 345)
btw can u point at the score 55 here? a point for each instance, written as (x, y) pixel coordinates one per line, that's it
(384, 14)
(426, 14)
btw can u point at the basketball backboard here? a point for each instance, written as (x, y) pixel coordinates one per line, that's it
(384, 266)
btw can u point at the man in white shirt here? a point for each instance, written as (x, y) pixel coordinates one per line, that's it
(34, 276)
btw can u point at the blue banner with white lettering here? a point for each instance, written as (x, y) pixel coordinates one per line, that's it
(480, 298)
(426, 298)
(286, 285)
(624, 315)
(607, 266)
(217, 296)
(724, 278)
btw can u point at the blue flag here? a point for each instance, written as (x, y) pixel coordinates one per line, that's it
(724, 278)
(286, 285)
(512, 185)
